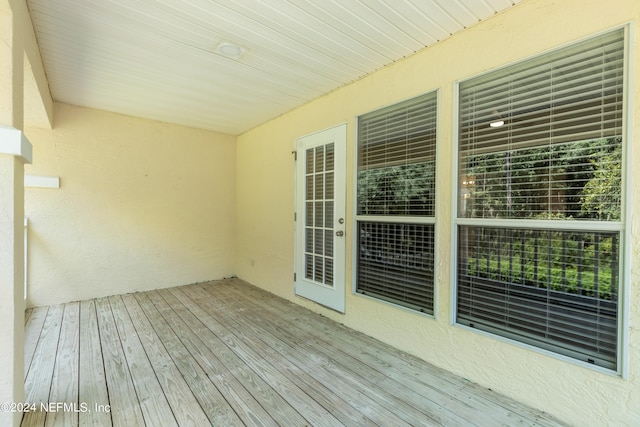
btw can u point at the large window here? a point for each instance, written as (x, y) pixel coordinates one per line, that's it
(540, 223)
(395, 207)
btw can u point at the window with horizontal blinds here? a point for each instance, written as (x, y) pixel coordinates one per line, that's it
(540, 145)
(396, 182)
(396, 159)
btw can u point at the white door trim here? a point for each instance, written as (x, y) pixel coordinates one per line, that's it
(331, 295)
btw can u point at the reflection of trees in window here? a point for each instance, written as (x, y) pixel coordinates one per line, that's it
(602, 193)
(403, 190)
(575, 262)
(577, 180)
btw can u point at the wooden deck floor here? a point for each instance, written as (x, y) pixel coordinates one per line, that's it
(229, 354)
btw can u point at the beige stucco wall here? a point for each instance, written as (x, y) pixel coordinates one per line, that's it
(142, 205)
(265, 204)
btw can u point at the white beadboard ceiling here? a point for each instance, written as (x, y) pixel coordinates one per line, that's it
(157, 58)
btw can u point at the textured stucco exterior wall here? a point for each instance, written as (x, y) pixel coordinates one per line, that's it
(142, 205)
(265, 204)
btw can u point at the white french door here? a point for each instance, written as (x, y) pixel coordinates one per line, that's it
(320, 217)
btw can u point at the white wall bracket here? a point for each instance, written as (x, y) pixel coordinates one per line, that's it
(35, 181)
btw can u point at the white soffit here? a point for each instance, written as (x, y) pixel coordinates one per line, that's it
(161, 59)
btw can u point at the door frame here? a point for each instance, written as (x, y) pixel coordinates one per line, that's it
(332, 298)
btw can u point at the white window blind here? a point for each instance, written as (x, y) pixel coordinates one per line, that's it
(569, 95)
(396, 159)
(396, 182)
(540, 144)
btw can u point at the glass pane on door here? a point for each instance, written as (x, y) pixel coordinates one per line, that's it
(318, 217)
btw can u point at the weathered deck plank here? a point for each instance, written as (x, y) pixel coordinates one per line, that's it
(125, 406)
(342, 388)
(209, 397)
(185, 407)
(33, 328)
(92, 383)
(153, 402)
(379, 362)
(227, 353)
(40, 375)
(254, 358)
(64, 385)
(486, 407)
(331, 364)
(228, 370)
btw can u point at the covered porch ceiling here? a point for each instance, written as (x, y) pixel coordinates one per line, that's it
(230, 65)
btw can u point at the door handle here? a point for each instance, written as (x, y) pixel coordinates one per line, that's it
(339, 233)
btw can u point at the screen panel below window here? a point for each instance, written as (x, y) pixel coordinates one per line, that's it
(554, 289)
(395, 263)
